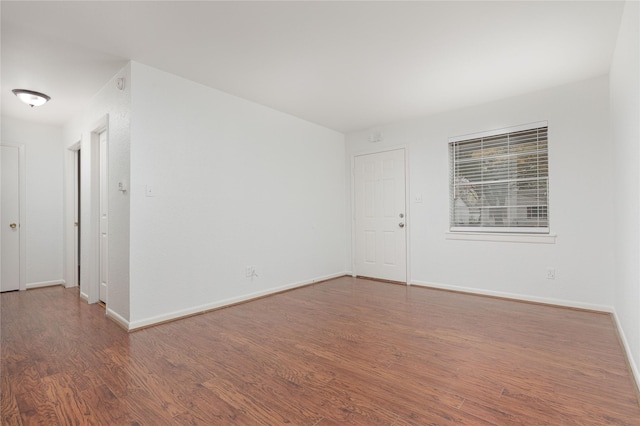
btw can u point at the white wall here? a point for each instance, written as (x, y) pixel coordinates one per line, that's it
(581, 188)
(44, 165)
(234, 184)
(625, 112)
(115, 105)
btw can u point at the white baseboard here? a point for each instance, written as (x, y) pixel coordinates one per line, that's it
(133, 325)
(84, 296)
(550, 301)
(45, 284)
(523, 297)
(118, 319)
(627, 349)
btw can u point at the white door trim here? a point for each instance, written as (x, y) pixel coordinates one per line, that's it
(92, 205)
(22, 194)
(103, 215)
(71, 231)
(406, 203)
(89, 269)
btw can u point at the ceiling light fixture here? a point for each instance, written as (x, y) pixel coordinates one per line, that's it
(30, 97)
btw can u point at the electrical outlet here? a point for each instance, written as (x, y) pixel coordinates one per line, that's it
(249, 271)
(551, 273)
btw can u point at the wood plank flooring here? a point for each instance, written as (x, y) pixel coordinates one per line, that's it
(346, 351)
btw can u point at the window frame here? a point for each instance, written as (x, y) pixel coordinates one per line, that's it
(519, 232)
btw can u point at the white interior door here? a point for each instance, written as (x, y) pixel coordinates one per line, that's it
(380, 216)
(104, 219)
(10, 219)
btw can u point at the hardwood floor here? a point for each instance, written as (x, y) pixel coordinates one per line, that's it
(346, 351)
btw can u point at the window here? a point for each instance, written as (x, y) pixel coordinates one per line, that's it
(499, 181)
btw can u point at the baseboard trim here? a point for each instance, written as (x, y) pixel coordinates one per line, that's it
(45, 284)
(520, 297)
(183, 313)
(633, 367)
(117, 318)
(625, 344)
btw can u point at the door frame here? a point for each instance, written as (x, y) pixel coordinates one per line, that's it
(72, 232)
(90, 202)
(93, 286)
(22, 200)
(103, 196)
(408, 218)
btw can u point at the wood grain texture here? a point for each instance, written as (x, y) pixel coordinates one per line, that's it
(345, 351)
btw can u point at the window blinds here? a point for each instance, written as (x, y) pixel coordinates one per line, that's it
(499, 181)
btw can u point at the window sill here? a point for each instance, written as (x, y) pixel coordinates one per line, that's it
(507, 238)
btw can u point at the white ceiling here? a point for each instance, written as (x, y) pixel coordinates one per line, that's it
(344, 65)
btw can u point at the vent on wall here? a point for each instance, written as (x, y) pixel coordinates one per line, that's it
(376, 136)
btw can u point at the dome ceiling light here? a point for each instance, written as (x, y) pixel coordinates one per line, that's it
(30, 97)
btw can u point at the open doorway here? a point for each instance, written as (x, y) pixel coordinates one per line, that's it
(87, 227)
(78, 203)
(74, 162)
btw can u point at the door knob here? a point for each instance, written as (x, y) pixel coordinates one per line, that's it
(12, 225)
(401, 224)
